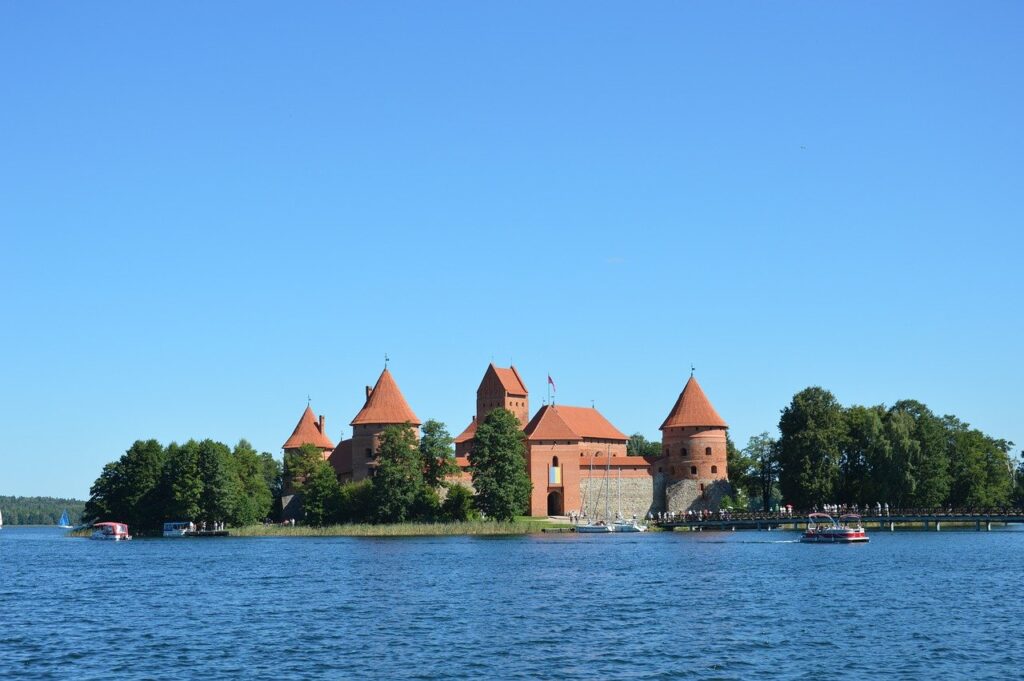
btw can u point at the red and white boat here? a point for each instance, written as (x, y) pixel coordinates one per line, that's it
(111, 531)
(824, 529)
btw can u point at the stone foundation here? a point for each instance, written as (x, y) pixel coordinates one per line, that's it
(685, 495)
(638, 495)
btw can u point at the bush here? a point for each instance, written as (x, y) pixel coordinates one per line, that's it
(356, 502)
(426, 507)
(458, 505)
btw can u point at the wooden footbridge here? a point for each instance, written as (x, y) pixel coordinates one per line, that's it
(927, 519)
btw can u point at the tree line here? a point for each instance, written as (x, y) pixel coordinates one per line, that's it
(38, 510)
(410, 478)
(200, 481)
(904, 455)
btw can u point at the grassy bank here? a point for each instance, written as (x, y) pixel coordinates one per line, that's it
(479, 527)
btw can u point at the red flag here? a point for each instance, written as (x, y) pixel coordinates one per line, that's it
(552, 383)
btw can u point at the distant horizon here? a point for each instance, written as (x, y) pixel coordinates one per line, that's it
(783, 196)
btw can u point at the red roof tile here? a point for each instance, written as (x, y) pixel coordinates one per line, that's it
(693, 409)
(468, 433)
(385, 404)
(571, 423)
(510, 380)
(341, 458)
(307, 432)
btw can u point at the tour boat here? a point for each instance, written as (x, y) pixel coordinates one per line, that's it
(111, 531)
(64, 523)
(824, 529)
(179, 529)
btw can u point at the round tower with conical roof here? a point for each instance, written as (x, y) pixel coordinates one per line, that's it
(385, 406)
(694, 461)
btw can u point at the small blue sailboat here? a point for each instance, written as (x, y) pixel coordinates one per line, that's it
(64, 522)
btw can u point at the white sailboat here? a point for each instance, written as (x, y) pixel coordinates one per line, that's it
(599, 526)
(621, 524)
(64, 522)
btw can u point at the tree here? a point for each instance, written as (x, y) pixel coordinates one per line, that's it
(638, 445)
(931, 464)
(743, 476)
(356, 502)
(437, 454)
(866, 467)
(761, 450)
(128, 489)
(498, 466)
(254, 500)
(458, 505)
(272, 473)
(321, 496)
(399, 476)
(812, 434)
(220, 482)
(182, 483)
(299, 464)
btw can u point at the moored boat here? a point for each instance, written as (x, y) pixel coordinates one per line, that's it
(64, 523)
(592, 527)
(623, 525)
(179, 529)
(824, 529)
(111, 531)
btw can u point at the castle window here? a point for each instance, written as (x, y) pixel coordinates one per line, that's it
(714, 470)
(707, 451)
(554, 461)
(369, 453)
(682, 452)
(693, 471)
(659, 469)
(672, 470)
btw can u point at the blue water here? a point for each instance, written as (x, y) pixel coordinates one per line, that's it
(740, 605)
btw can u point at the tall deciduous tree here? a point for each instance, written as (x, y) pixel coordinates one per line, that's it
(399, 476)
(638, 445)
(254, 500)
(321, 496)
(498, 465)
(761, 450)
(299, 464)
(931, 466)
(437, 454)
(742, 471)
(810, 447)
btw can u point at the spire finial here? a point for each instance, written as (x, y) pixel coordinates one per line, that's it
(309, 400)
(386, 360)
(692, 369)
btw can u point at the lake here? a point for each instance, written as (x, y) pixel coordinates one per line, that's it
(733, 605)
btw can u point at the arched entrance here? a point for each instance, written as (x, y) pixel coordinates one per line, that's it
(555, 503)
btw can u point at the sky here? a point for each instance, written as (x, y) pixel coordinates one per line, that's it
(210, 212)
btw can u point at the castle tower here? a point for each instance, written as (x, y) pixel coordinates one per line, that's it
(385, 406)
(693, 452)
(309, 431)
(500, 388)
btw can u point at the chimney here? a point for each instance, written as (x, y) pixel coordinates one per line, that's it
(369, 390)
(322, 424)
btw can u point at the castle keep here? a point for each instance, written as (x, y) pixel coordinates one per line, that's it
(576, 459)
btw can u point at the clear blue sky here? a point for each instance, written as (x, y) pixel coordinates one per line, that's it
(211, 210)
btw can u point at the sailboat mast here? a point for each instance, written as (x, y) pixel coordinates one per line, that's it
(607, 492)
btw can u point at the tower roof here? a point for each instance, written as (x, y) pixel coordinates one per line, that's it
(308, 432)
(693, 409)
(468, 434)
(571, 423)
(509, 379)
(385, 404)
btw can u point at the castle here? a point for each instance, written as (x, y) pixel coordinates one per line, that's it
(576, 459)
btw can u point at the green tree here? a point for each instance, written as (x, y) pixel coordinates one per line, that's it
(761, 451)
(356, 502)
(220, 482)
(299, 464)
(931, 459)
(254, 501)
(182, 482)
(638, 445)
(399, 476)
(812, 435)
(128, 490)
(498, 466)
(437, 454)
(272, 473)
(458, 505)
(743, 475)
(321, 496)
(866, 467)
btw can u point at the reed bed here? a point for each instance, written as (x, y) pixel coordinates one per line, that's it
(479, 528)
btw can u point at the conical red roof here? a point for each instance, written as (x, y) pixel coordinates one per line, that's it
(307, 432)
(385, 405)
(693, 409)
(571, 423)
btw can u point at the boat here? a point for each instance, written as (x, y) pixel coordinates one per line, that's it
(598, 526)
(111, 531)
(824, 529)
(621, 524)
(179, 528)
(1, 520)
(64, 523)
